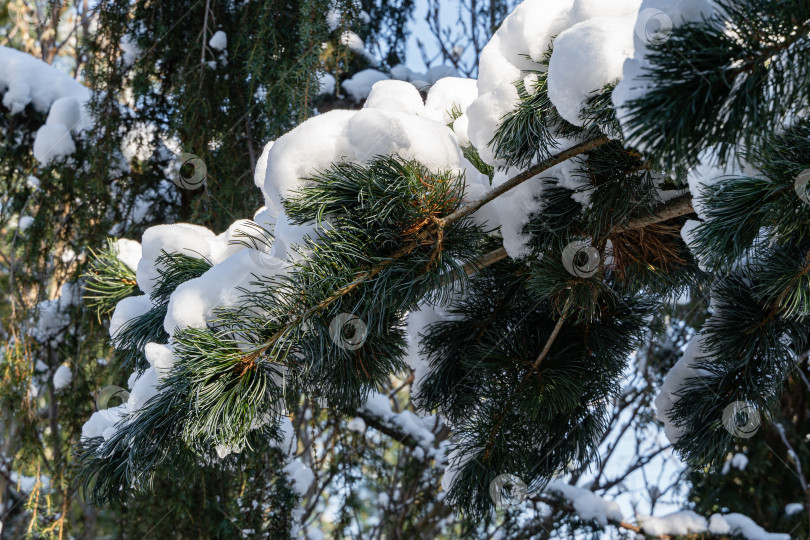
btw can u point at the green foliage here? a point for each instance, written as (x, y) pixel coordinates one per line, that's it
(108, 280)
(739, 209)
(223, 108)
(233, 377)
(512, 409)
(134, 334)
(725, 81)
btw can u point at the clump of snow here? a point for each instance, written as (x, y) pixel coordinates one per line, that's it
(707, 173)
(355, 43)
(359, 86)
(738, 461)
(586, 503)
(793, 508)
(185, 238)
(448, 94)
(219, 41)
(454, 461)
(288, 444)
(395, 96)
(356, 424)
(675, 379)
(127, 309)
(130, 49)
(326, 83)
(128, 252)
(65, 111)
(144, 389)
(101, 421)
(26, 80)
(677, 523)
(192, 304)
(419, 428)
(586, 57)
(730, 524)
(52, 317)
(485, 113)
(52, 142)
(355, 136)
(160, 357)
(25, 222)
(301, 476)
(62, 378)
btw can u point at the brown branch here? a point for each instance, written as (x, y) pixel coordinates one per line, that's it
(439, 226)
(487, 260)
(550, 340)
(569, 508)
(529, 173)
(679, 206)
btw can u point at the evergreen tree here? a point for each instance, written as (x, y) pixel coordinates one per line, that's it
(504, 255)
(148, 76)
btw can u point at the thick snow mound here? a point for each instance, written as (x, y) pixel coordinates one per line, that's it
(593, 40)
(395, 96)
(26, 80)
(677, 376)
(587, 56)
(356, 136)
(359, 86)
(655, 19)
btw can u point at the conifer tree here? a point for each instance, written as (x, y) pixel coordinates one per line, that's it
(147, 77)
(504, 249)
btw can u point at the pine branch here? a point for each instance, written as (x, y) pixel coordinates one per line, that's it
(436, 230)
(680, 206)
(554, 333)
(677, 207)
(568, 508)
(528, 174)
(108, 280)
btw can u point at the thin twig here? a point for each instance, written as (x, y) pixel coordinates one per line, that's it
(551, 338)
(679, 206)
(529, 173)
